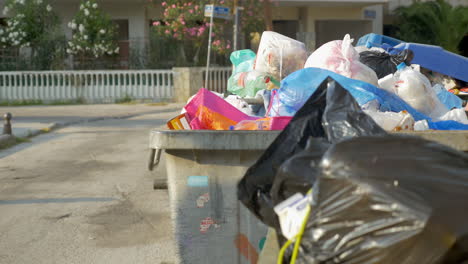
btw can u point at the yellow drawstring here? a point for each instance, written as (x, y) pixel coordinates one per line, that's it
(297, 238)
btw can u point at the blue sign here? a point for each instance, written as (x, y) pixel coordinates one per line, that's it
(197, 181)
(370, 14)
(217, 12)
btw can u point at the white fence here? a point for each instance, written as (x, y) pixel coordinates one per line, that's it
(91, 86)
(217, 80)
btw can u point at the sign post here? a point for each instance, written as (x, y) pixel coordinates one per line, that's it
(236, 26)
(212, 12)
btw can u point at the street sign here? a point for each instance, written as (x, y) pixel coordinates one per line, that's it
(370, 14)
(217, 12)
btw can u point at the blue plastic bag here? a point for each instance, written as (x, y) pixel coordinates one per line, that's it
(447, 98)
(300, 85)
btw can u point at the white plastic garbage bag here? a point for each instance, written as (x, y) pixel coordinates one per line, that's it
(279, 55)
(415, 89)
(389, 121)
(240, 104)
(457, 114)
(339, 56)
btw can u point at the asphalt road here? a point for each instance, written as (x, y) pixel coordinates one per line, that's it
(82, 194)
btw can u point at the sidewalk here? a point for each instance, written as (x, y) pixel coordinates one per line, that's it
(32, 120)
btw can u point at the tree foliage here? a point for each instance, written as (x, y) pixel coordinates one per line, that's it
(184, 20)
(29, 23)
(434, 22)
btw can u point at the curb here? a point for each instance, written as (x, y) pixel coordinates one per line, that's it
(55, 126)
(7, 139)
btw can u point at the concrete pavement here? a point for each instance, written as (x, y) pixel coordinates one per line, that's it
(82, 194)
(32, 120)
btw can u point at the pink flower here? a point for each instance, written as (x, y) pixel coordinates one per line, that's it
(196, 7)
(176, 35)
(228, 46)
(163, 3)
(157, 23)
(174, 6)
(189, 4)
(221, 2)
(167, 31)
(191, 11)
(182, 22)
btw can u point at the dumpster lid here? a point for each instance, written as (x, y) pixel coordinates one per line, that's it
(212, 139)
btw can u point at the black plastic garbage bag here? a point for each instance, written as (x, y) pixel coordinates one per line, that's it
(383, 63)
(292, 177)
(390, 199)
(331, 113)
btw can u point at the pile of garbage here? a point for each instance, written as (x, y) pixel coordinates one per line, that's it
(382, 74)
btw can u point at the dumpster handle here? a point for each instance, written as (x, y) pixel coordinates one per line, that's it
(155, 153)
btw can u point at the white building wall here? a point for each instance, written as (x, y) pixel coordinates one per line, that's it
(377, 22)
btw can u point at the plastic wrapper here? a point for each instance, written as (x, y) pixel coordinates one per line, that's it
(339, 56)
(331, 113)
(206, 110)
(415, 89)
(247, 84)
(279, 55)
(383, 63)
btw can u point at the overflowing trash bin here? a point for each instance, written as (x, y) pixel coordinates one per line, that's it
(337, 155)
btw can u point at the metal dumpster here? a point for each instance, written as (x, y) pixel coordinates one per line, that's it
(203, 168)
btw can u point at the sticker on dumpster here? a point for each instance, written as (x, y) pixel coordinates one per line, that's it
(206, 223)
(197, 181)
(261, 244)
(202, 200)
(246, 249)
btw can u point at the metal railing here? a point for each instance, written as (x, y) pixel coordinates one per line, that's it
(218, 78)
(90, 86)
